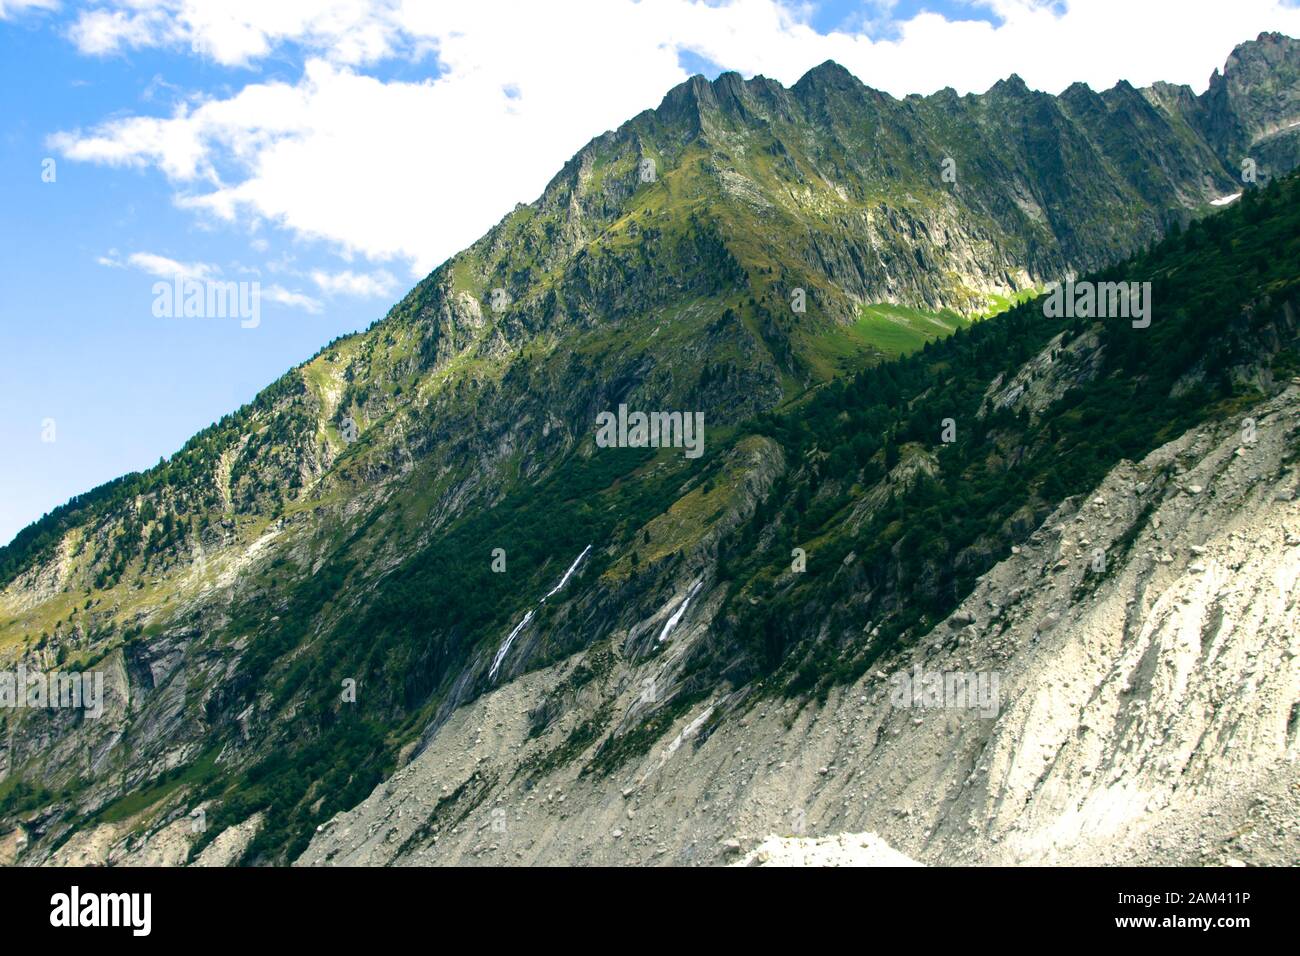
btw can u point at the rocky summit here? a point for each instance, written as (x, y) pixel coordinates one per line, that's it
(898, 564)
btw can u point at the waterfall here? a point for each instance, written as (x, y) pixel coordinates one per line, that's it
(504, 649)
(677, 614)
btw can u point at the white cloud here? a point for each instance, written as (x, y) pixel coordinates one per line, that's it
(236, 32)
(296, 300)
(10, 7)
(364, 284)
(107, 31)
(165, 267)
(161, 266)
(410, 172)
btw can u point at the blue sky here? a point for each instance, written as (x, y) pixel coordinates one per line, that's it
(336, 151)
(78, 341)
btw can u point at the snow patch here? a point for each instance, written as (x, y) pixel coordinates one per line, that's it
(843, 849)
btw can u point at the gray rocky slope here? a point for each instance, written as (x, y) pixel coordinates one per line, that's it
(1152, 719)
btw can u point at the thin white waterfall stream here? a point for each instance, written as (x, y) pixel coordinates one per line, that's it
(567, 574)
(504, 649)
(677, 614)
(505, 645)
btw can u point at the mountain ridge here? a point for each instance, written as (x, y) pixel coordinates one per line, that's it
(225, 591)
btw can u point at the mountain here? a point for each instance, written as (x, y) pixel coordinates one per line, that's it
(303, 611)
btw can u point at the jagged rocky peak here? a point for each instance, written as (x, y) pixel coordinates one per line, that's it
(829, 74)
(1012, 86)
(1255, 102)
(730, 95)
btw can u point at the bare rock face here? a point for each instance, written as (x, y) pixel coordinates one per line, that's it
(1135, 728)
(1042, 382)
(230, 844)
(1252, 108)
